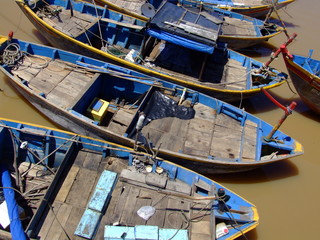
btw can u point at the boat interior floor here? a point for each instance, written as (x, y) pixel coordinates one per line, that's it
(207, 134)
(175, 61)
(128, 196)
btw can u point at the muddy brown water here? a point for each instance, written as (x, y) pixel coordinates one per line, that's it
(286, 193)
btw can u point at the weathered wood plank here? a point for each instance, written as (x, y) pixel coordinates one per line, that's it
(179, 127)
(225, 148)
(226, 132)
(60, 96)
(152, 135)
(160, 202)
(110, 211)
(48, 220)
(201, 125)
(66, 186)
(143, 199)
(116, 217)
(174, 217)
(123, 117)
(60, 221)
(72, 222)
(48, 78)
(198, 143)
(82, 188)
(92, 161)
(238, 27)
(204, 112)
(123, 24)
(129, 207)
(171, 142)
(201, 230)
(117, 127)
(80, 159)
(227, 122)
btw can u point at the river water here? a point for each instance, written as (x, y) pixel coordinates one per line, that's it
(286, 193)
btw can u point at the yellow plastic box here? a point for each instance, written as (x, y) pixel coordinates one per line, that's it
(98, 109)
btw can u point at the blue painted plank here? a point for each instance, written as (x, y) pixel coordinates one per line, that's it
(173, 234)
(88, 224)
(119, 232)
(143, 232)
(103, 191)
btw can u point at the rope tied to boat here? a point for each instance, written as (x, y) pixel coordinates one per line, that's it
(49, 11)
(11, 54)
(13, 57)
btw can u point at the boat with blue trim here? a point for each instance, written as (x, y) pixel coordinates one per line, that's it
(304, 71)
(161, 47)
(101, 100)
(75, 187)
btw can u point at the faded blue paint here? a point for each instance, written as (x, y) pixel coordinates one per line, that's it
(142, 232)
(173, 234)
(146, 232)
(88, 224)
(119, 232)
(103, 191)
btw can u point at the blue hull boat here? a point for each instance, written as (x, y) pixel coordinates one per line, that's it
(98, 99)
(74, 187)
(159, 48)
(236, 30)
(256, 8)
(143, 9)
(304, 72)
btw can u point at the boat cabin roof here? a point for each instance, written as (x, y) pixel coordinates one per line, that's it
(178, 25)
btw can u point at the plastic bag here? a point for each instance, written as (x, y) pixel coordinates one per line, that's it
(146, 212)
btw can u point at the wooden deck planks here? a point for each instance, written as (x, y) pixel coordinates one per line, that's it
(144, 198)
(121, 201)
(72, 223)
(67, 184)
(59, 224)
(178, 211)
(198, 142)
(171, 142)
(71, 25)
(134, 6)
(78, 197)
(238, 27)
(48, 78)
(48, 220)
(92, 161)
(249, 145)
(129, 207)
(206, 134)
(59, 82)
(159, 202)
(126, 199)
(108, 218)
(123, 116)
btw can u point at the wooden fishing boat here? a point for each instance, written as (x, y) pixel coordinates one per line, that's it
(237, 31)
(99, 190)
(305, 75)
(164, 51)
(252, 8)
(106, 101)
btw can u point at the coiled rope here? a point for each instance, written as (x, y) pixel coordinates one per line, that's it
(12, 54)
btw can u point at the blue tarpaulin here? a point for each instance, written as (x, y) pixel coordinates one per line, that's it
(181, 41)
(16, 228)
(185, 28)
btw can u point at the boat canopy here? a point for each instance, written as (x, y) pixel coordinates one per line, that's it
(191, 29)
